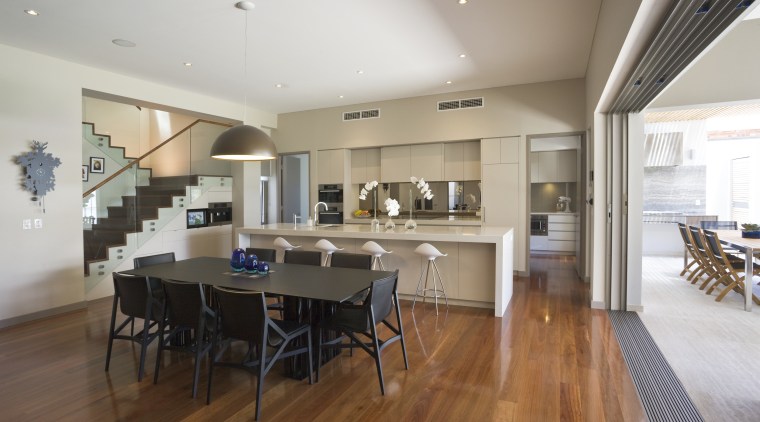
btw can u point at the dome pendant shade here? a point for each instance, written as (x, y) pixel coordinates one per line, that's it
(244, 143)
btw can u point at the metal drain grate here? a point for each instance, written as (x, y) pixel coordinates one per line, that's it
(661, 392)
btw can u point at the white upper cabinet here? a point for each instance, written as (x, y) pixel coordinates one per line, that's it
(365, 165)
(395, 164)
(500, 150)
(471, 160)
(331, 166)
(427, 162)
(567, 165)
(553, 166)
(461, 161)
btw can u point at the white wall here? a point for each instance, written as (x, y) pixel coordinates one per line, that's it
(41, 100)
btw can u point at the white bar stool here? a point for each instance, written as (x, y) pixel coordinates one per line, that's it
(377, 252)
(327, 247)
(283, 244)
(431, 253)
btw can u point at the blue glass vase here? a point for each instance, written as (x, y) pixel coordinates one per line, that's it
(251, 263)
(263, 267)
(237, 262)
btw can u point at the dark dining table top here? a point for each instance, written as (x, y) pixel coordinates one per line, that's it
(305, 281)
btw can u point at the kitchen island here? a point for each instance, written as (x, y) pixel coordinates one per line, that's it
(476, 272)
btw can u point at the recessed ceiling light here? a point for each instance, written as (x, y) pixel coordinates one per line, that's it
(340, 96)
(123, 43)
(278, 86)
(461, 56)
(462, 1)
(187, 64)
(31, 12)
(359, 72)
(448, 82)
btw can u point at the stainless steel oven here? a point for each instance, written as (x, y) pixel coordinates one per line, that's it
(539, 225)
(332, 195)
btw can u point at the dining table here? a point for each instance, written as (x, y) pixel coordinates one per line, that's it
(325, 286)
(750, 247)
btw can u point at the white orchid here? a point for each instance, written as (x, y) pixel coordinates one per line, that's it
(423, 186)
(392, 206)
(367, 188)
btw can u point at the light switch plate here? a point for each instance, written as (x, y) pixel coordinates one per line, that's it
(37, 223)
(26, 224)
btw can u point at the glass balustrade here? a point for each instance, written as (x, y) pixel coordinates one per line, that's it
(125, 204)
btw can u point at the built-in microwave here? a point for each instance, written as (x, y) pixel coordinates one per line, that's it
(330, 217)
(331, 194)
(539, 225)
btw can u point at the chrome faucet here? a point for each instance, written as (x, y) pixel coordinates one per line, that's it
(316, 214)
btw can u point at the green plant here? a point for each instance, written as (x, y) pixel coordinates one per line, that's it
(749, 227)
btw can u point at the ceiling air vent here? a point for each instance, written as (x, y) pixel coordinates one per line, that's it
(363, 114)
(460, 104)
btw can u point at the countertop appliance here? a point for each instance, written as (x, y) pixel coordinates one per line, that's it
(539, 225)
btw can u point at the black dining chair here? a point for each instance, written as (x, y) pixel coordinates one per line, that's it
(353, 320)
(303, 257)
(268, 255)
(134, 297)
(186, 311)
(356, 261)
(243, 316)
(155, 283)
(263, 254)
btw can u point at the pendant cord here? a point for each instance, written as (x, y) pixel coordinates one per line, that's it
(245, 71)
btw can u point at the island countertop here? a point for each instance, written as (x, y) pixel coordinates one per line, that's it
(473, 234)
(477, 270)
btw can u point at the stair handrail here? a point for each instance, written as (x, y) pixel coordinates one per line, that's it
(137, 160)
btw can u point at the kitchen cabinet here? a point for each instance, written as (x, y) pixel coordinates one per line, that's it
(500, 150)
(395, 164)
(461, 161)
(426, 162)
(365, 165)
(553, 166)
(561, 232)
(500, 195)
(566, 165)
(331, 166)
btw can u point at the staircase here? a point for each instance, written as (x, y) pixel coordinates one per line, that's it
(132, 214)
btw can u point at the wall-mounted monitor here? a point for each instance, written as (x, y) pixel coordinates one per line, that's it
(197, 218)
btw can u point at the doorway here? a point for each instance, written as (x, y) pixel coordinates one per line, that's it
(294, 189)
(557, 196)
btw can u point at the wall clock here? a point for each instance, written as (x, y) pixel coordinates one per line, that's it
(39, 178)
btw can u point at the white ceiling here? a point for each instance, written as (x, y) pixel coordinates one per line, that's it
(314, 48)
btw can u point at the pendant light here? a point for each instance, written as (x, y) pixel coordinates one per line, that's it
(244, 142)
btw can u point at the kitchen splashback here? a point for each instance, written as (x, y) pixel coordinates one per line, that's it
(544, 196)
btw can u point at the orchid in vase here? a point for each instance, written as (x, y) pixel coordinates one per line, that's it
(368, 187)
(424, 188)
(393, 207)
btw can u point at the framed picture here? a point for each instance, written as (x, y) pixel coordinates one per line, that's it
(97, 165)
(85, 173)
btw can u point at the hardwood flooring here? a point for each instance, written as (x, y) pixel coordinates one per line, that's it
(550, 358)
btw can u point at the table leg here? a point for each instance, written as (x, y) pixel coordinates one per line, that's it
(748, 260)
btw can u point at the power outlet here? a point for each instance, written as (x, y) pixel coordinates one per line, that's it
(26, 224)
(37, 223)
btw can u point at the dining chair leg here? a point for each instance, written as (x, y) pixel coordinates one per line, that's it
(160, 352)
(199, 352)
(376, 355)
(319, 350)
(212, 359)
(143, 349)
(309, 347)
(260, 381)
(400, 329)
(111, 330)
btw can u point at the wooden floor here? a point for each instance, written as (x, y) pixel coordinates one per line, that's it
(550, 358)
